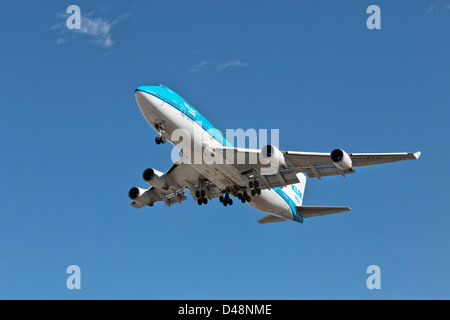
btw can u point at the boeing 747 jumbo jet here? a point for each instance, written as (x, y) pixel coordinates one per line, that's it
(268, 179)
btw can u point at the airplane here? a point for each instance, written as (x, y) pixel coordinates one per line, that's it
(278, 193)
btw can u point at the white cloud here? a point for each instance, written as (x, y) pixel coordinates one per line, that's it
(98, 29)
(61, 40)
(201, 66)
(439, 9)
(205, 65)
(232, 63)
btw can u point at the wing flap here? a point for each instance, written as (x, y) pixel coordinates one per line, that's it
(325, 171)
(280, 179)
(153, 195)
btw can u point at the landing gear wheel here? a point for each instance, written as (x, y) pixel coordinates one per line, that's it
(203, 193)
(230, 202)
(258, 191)
(197, 194)
(157, 140)
(162, 139)
(199, 201)
(253, 192)
(221, 199)
(250, 184)
(205, 201)
(245, 197)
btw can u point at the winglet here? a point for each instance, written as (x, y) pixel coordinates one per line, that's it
(417, 154)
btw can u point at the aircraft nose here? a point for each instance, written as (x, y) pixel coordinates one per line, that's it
(138, 93)
(146, 100)
(141, 94)
(143, 89)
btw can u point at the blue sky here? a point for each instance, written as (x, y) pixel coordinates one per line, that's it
(74, 141)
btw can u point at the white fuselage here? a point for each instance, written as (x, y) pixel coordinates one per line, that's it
(157, 111)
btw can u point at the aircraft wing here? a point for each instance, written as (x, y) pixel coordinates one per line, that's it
(183, 176)
(315, 164)
(179, 177)
(153, 195)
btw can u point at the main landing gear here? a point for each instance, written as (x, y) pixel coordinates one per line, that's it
(254, 185)
(244, 197)
(201, 197)
(226, 200)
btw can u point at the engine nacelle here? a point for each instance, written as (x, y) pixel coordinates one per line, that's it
(139, 196)
(271, 154)
(341, 159)
(155, 178)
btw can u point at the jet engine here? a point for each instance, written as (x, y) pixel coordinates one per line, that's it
(271, 154)
(155, 178)
(139, 196)
(341, 159)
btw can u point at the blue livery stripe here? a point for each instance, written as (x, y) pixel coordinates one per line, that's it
(291, 204)
(175, 100)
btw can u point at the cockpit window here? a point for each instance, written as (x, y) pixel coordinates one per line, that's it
(160, 85)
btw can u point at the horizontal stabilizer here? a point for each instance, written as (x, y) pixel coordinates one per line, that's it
(309, 212)
(270, 218)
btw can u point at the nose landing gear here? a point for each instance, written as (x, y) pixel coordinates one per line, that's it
(160, 138)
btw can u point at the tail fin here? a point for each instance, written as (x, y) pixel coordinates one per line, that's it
(296, 191)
